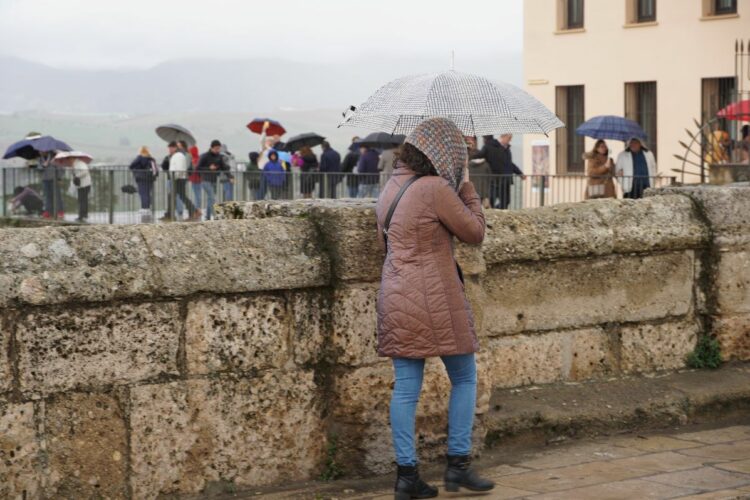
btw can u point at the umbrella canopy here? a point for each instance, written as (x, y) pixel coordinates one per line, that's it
(309, 139)
(78, 155)
(173, 132)
(611, 127)
(274, 127)
(382, 140)
(477, 105)
(283, 155)
(739, 111)
(32, 148)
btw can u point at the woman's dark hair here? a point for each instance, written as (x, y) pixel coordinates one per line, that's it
(745, 131)
(596, 147)
(416, 160)
(273, 154)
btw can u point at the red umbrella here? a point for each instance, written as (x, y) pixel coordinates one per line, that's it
(736, 111)
(274, 127)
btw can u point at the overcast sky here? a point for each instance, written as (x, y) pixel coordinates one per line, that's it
(141, 33)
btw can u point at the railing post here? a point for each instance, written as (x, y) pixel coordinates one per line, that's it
(55, 201)
(5, 192)
(542, 187)
(111, 174)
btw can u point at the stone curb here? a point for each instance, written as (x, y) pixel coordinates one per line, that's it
(557, 412)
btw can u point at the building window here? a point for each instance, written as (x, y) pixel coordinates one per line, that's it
(717, 93)
(722, 7)
(719, 8)
(575, 14)
(569, 102)
(645, 11)
(569, 15)
(640, 106)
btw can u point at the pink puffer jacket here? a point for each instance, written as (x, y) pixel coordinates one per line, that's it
(422, 307)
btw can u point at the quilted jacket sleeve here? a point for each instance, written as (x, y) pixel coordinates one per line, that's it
(461, 213)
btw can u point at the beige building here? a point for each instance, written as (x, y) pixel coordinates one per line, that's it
(662, 63)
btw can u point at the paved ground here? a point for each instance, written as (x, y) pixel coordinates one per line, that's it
(688, 463)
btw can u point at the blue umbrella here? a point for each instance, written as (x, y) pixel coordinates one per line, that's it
(611, 127)
(31, 148)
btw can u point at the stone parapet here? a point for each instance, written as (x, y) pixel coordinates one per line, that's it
(139, 361)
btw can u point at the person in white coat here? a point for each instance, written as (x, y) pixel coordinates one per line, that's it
(636, 168)
(81, 180)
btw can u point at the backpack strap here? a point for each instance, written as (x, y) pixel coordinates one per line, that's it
(388, 217)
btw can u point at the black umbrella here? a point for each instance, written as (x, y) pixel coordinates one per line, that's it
(310, 139)
(382, 140)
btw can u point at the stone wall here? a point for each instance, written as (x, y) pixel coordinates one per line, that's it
(145, 360)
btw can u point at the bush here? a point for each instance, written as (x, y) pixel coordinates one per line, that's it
(707, 353)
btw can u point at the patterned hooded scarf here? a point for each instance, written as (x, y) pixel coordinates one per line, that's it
(440, 140)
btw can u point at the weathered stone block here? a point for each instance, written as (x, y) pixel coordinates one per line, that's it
(246, 431)
(655, 347)
(577, 293)
(60, 349)
(86, 447)
(475, 294)
(354, 339)
(470, 258)
(351, 235)
(733, 334)
(733, 282)
(656, 223)
(237, 256)
(587, 354)
(525, 359)
(20, 465)
(567, 230)
(6, 370)
(727, 209)
(55, 265)
(236, 334)
(311, 311)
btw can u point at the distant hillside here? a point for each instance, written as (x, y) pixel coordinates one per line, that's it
(219, 85)
(111, 113)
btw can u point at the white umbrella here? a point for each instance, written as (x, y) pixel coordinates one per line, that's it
(79, 155)
(477, 105)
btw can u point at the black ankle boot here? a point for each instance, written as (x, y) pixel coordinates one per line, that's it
(409, 485)
(459, 473)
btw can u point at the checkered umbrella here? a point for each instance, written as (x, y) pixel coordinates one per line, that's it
(476, 104)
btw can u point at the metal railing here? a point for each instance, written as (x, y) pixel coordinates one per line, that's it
(118, 196)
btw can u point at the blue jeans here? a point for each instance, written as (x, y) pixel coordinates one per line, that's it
(197, 194)
(178, 205)
(369, 190)
(228, 190)
(462, 371)
(210, 190)
(53, 198)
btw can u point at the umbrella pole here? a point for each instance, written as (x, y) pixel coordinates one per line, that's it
(5, 192)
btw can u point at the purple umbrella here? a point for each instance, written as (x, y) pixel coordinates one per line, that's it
(30, 149)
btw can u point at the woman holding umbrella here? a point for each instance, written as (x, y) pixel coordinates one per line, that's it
(422, 308)
(599, 169)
